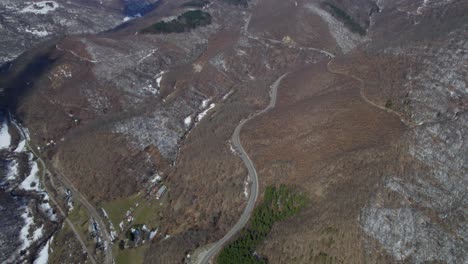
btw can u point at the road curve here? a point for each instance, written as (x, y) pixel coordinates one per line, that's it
(81, 199)
(244, 218)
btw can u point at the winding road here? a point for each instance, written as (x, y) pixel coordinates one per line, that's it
(244, 218)
(206, 255)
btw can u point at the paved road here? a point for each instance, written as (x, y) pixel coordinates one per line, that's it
(77, 195)
(216, 247)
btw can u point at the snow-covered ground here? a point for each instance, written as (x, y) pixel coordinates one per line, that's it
(40, 8)
(204, 103)
(37, 32)
(27, 237)
(128, 18)
(12, 170)
(21, 146)
(156, 178)
(70, 205)
(43, 256)
(46, 208)
(152, 90)
(153, 234)
(31, 183)
(159, 78)
(188, 121)
(203, 114)
(5, 138)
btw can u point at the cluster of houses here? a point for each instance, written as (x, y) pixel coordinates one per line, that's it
(137, 235)
(158, 189)
(94, 232)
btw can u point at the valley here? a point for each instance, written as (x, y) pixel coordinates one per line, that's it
(152, 131)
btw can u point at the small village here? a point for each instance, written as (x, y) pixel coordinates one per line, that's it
(133, 231)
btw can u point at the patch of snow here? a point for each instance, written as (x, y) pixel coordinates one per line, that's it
(65, 73)
(197, 67)
(47, 209)
(203, 114)
(26, 133)
(156, 178)
(70, 205)
(205, 103)
(32, 179)
(40, 33)
(149, 88)
(113, 235)
(231, 148)
(121, 225)
(43, 256)
(25, 236)
(5, 138)
(12, 170)
(226, 96)
(241, 52)
(128, 18)
(105, 213)
(147, 56)
(246, 189)
(159, 78)
(153, 233)
(21, 146)
(168, 18)
(40, 8)
(188, 121)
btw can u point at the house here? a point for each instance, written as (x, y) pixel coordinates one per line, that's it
(161, 192)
